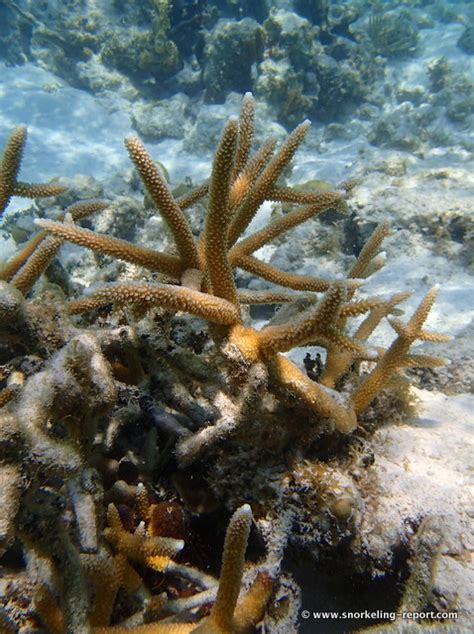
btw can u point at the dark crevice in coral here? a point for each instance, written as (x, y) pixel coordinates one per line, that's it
(332, 583)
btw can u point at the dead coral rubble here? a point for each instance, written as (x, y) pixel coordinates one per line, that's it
(105, 418)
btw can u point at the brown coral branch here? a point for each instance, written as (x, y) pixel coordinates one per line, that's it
(282, 278)
(135, 547)
(24, 279)
(247, 178)
(187, 200)
(49, 611)
(361, 268)
(257, 163)
(318, 398)
(105, 574)
(266, 297)
(10, 165)
(326, 200)
(121, 249)
(361, 306)
(233, 557)
(32, 190)
(163, 199)
(377, 313)
(424, 361)
(291, 195)
(338, 360)
(245, 136)
(9, 168)
(396, 356)
(77, 211)
(149, 628)
(8, 270)
(265, 182)
(251, 608)
(316, 322)
(214, 309)
(217, 220)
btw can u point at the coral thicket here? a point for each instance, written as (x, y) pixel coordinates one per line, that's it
(160, 391)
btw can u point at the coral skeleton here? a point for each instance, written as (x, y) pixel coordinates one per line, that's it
(121, 430)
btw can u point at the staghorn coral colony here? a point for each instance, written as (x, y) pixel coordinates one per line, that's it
(142, 421)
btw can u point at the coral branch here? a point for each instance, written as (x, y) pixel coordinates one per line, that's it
(233, 557)
(214, 309)
(361, 268)
(318, 398)
(314, 323)
(165, 202)
(217, 221)
(276, 276)
(121, 249)
(24, 279)
(76, 210)
(246, 129)
(396, 356)
(265, 182)
(247, 246)
(9, 168)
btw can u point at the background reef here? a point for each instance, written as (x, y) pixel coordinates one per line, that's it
(324, 60)
(95, 407)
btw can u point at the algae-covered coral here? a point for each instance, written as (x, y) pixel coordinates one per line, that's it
(175, 399)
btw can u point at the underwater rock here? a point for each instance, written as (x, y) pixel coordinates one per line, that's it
(439, 72)
(399, 129)
(232, 49)
(138, 55)
(63, 36)
(104, 81)
(466, 41)
(289, 35)
(205, 131)
(300, 78)
(162, 119)
(341, 16)
(74, 39)
(341, 87)
(461, 99)
(257, 9)
(187, 20)
(281, 86)
(314, 10)
(453, 91)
